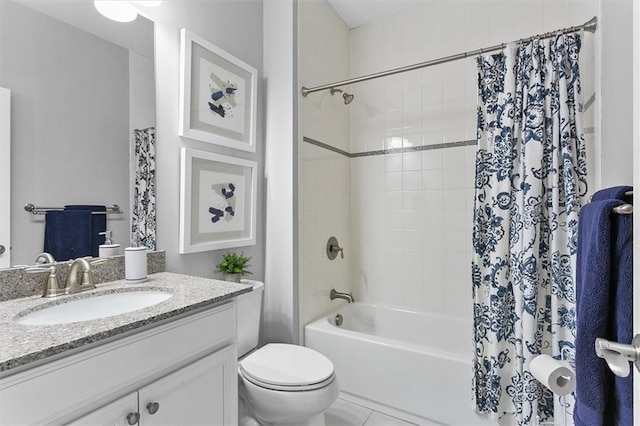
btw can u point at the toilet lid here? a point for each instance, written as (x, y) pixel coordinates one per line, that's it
(284, 365)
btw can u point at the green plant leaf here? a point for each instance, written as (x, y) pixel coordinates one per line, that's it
(234, 263)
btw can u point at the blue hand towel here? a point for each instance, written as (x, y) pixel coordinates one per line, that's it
(613, 193)
(621, 323)
(98, 224)
(593, 308)
(67, 234)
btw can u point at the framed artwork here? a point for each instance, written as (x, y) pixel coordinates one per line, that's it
(217, 95)
(217, 201)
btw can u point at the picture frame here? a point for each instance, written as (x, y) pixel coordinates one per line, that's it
(217, 201)
(217, 95)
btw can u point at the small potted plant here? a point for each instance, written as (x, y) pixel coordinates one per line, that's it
(234, 266)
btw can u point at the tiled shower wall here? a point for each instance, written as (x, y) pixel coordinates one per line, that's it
(411, 226)
(407, 231)
(411, 213)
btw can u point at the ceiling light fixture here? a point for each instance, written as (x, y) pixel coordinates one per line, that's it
(120, 10)
(148, 3)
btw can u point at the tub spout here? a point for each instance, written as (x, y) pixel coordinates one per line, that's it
(338, 295)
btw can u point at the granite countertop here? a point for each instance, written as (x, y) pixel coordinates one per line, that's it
(24, 344)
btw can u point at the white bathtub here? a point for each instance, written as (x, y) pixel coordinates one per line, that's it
(413, 365)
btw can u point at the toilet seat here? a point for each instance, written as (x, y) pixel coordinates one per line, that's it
(289, 368)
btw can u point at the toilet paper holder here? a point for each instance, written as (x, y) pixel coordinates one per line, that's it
(565, 355)
(618, 355)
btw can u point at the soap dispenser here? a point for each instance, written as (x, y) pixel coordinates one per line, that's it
(108, 249)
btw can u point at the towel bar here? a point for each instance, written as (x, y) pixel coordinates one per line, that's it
(114, 209)
(626, 194)
(624, 209)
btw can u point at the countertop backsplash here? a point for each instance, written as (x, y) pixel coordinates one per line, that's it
(16, 283)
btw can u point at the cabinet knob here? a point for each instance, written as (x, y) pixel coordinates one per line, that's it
(153, 407)
(132, 418)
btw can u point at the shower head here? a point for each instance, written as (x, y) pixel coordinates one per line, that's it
(348, 98)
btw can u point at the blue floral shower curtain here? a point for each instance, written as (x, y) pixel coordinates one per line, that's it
(143, 218)
(530, 180)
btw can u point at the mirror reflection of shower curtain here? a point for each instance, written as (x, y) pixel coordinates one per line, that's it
(143, 217)
(530, 184)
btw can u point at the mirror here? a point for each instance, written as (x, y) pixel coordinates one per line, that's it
(80, 84)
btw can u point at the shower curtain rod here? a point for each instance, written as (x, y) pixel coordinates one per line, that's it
(589, 26)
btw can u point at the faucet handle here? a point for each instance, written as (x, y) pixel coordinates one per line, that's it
(38, 269)
(98, 261)
(52, 287)
(333, 248)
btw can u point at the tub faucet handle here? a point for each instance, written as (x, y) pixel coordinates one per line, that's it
(333, 248)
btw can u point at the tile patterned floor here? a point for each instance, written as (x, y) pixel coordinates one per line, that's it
(343, 413)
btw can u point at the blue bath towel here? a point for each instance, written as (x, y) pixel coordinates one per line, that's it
(622, 319)
(67, 234)
(593, 308)
(613, 193)
(98, 224)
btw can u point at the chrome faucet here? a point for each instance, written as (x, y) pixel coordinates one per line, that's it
(52, 287)
(338, 295)
(86, 282)
(44, 258)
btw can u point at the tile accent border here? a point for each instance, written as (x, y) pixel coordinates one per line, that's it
(389, 150)
(589, 102)
(326, 146)
(414, 148)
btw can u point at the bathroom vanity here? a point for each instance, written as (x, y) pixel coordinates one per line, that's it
(170, 363)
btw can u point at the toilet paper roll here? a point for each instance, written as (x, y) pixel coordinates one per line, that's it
(554, 374)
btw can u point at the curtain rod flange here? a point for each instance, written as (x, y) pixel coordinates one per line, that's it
(591, 25)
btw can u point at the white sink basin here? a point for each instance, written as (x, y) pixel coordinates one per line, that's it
(102, 306)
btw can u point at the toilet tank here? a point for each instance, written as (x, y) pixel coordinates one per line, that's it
(249, 307)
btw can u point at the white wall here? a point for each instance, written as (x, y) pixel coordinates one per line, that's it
(324, 177)
(236, 27)
(70, 122)
(617, 96)
(411, 213)
(280, 76)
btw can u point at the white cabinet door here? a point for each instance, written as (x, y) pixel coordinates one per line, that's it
(202, 393)
(121, 412)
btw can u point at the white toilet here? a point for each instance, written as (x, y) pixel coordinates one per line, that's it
(279, 384)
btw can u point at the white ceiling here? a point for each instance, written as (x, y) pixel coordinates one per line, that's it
(355, 13)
